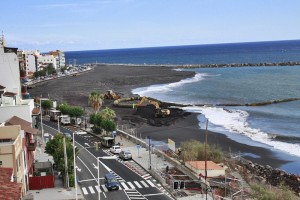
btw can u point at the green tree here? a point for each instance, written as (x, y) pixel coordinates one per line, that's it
(46, 105)
(108, 125)
(64, 108)
(55, 148)
(96, 100)
(108, 114)
(76, 111)
(50, 69)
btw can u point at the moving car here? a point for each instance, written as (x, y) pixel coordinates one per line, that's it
(111, 182)
(115, 149)
(125, 155)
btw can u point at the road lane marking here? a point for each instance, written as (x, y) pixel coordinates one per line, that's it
(131, 185)
(150, 183)
(137, 184)
(104, 188)
(98, 188)
(144, 184)
(124, 186)
(85, 192)
(146, 195)
(92, 190)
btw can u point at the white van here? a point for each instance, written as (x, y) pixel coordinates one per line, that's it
(65, 119)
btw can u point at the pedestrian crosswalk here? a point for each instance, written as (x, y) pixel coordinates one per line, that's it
(123, 186)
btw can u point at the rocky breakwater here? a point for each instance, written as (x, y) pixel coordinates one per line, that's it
(241, 65)
(272, 176)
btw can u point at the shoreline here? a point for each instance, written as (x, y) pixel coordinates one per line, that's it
(123, 79)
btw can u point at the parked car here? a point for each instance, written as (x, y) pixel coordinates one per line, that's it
(115, 149)
(125, 155)
(111, 182)
(68, 135)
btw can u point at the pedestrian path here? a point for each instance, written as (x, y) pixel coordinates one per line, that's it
(130, 185)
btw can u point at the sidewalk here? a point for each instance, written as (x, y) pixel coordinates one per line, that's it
(58, 192)
(158, 163)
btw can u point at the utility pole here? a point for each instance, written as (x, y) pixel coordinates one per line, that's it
(74, 160)
(66, 164)
(149, 153)
(206, 158)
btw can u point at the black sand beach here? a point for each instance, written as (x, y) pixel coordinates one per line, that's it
(122, 79)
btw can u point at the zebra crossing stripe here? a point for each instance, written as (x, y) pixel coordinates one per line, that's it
(137, 184)
(144, 184)
(92, 190)
(131, 185)
(146, 176)
(85, 192)
(104, 188)
(150, 183)
(98, 188)
(124, 186)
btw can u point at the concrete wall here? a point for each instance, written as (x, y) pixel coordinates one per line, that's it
(11, 153)
(22, 111)
(10, 73)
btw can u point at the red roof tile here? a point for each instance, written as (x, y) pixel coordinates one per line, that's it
(9, 190)
(201, 165)
(9, 94)
(25, 125)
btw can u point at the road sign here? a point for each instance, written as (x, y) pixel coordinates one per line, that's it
(138, 146)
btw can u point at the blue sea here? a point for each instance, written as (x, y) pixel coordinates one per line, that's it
(276, 126)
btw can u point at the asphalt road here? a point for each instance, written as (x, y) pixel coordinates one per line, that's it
(132, 185)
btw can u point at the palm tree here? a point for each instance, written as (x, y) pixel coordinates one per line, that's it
(108, 114)
(96, 100)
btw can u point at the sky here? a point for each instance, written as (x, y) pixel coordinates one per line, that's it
(73, 25)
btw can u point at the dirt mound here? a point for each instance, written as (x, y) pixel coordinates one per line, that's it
(148, 113)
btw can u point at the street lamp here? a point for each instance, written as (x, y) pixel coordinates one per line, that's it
(74, 159)
(41, 112)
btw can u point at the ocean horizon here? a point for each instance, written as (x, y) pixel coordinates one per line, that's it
(275, 127)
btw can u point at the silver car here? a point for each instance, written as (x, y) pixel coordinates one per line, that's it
(125, 155)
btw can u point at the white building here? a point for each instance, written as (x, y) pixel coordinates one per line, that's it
(60, 58)
(30, 59)
(46, 59)
(11, 103)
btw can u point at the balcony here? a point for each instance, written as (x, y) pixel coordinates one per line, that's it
(31, 145)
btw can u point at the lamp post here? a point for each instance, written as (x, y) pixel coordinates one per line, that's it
(74, 159)
(41, 112)
(149, 153)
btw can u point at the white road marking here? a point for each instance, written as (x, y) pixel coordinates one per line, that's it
(104, 188)
(85, 192)
(146, 195)
(144, 184)
(124, 186)
(92, 190)
(137, 184)
(150, 183)
(98, 188)
(131, 185)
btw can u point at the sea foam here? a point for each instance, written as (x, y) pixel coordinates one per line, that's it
(161, 88)
(235, 121)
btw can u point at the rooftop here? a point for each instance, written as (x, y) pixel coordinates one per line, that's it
(201, 165)
(25, 125)
(8, 189)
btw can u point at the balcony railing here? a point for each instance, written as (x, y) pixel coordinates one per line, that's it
(31, 145)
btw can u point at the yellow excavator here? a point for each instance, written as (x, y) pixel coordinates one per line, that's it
(159, 112)
(111, 95)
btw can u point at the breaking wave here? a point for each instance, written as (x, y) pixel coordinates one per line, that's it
(161, 88)
(235, 121)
